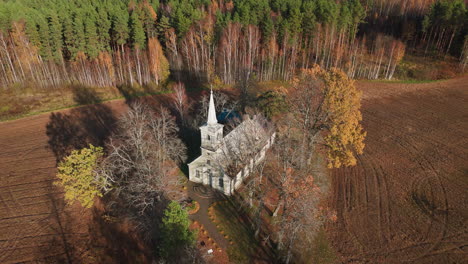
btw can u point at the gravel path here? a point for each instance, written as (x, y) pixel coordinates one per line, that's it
(205, 196)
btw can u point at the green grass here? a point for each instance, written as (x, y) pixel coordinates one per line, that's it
(322, 251)
(4, 108)
(425, 68)
(28, 102)
(229, 222)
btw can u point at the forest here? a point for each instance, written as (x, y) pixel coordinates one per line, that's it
(143, 42)
(294, 66)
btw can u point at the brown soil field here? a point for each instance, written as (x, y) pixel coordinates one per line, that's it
(36, 225)
(405, 201)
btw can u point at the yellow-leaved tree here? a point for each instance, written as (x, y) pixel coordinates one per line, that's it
(327, 103)
(77, 176)
(343, 102)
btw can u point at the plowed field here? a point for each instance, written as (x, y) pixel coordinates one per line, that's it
(36, 226)
(407, 199)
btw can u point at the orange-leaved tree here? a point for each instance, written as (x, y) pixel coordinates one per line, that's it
(326, 105)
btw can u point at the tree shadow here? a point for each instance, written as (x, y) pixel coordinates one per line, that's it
(242, 230)
(115, 239)
(67, 243)
(130, 92)
(79, 127)
(128, 236)
(193, 80)
(133, 93)
(83, 95)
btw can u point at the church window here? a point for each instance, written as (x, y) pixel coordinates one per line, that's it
(208, 162)
(221, 182)
(208, 137)
(198, 174)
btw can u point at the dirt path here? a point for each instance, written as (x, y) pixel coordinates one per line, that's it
(406, 199)
(205, 197)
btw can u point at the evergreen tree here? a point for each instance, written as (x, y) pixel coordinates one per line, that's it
(162, 26)
(120, 26)
(103, 28)
(137, 33)
(92, 40)
(43, 31)
(176, 234)
(149, 18)
(31, 32)
(55, 29)
(78, 34)
(68, 36)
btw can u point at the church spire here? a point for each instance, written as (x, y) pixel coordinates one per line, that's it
(211, 111)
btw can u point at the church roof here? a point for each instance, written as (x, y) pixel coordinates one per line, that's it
(238, 147)
(243, 143)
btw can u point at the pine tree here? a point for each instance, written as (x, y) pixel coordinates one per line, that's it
(149, 20)
(43, 30)
(78, 38)
(176, 234)
(55, 35)
(92, 40)
(120, 26)
(103, 28)
(137, 33)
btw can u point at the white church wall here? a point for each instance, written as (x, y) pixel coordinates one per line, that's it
(217, 149)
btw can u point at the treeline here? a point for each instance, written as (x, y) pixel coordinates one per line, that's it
(102, 43)
(114, 42)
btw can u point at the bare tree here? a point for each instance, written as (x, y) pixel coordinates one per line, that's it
(300, 216)
(141, 155)
(326, 105)
(181, 102)
(300, 188)
(245, 145)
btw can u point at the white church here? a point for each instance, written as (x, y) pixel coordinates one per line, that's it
(226, 161)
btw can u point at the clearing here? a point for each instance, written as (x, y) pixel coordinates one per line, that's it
(405, 201)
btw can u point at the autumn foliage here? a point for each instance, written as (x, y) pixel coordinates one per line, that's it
(77, 176)
(342, 101)
(327, 104)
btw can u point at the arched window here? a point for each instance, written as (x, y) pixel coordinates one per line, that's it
(221, 182)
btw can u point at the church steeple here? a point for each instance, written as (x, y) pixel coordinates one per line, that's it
(212, 111)
(212, 131)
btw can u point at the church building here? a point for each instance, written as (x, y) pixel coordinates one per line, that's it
(226, 161)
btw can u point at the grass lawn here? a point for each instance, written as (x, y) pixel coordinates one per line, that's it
(420, 68)
(321, 250)
(236, 229)
(26, 101)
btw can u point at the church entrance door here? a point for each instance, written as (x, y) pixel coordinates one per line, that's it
(210, 179)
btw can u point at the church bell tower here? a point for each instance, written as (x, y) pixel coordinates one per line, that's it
(212, 131)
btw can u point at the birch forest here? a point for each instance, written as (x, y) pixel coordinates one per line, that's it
(49, 43)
